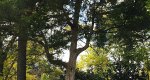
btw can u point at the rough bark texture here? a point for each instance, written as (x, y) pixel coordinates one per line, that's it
(21, 61)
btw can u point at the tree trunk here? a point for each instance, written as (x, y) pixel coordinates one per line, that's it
(74, 52)
(2, 59)
(1, 63)
(21, 61)
(71, 67)
(1, 70)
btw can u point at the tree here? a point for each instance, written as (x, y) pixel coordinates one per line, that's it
(4, 52)
(95, 61)
(60, 25)
(1, 57)
(127, 64)
(5, 22)
(80, 30)
(11, 19)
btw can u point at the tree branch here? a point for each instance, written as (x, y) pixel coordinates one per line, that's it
(48, 55)
(79, 50)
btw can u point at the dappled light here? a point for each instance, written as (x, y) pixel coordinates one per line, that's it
(74, 39)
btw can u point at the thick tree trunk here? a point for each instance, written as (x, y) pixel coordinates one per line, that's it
(74, 52)
(71, 67)
(21, 61)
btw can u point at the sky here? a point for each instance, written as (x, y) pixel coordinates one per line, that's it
(65, 57)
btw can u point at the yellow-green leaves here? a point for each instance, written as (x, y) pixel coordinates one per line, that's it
(95, 58)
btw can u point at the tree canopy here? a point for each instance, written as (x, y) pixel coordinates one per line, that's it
(34, 34)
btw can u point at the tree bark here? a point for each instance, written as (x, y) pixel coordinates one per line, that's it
(1, 59)
(1, 70)
(71, 67)
(21, 61)
(1, 67)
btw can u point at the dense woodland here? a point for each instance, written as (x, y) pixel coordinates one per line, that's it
(104, 39)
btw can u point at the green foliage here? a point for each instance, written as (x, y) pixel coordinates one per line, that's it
(131, 19)
(96, 61)
(48, 23)
(118, 64)
(128, 64)
(55, 75)
(7, 10)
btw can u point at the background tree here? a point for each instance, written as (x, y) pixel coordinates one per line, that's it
(6, 12)
(95, 62)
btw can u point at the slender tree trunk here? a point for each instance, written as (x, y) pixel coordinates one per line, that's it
(1, 70)
(21, 61)
(1, 63)
(2, 59)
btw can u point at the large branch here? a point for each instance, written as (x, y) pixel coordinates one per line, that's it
(79, 50)
(49, 56)
(59, 62)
